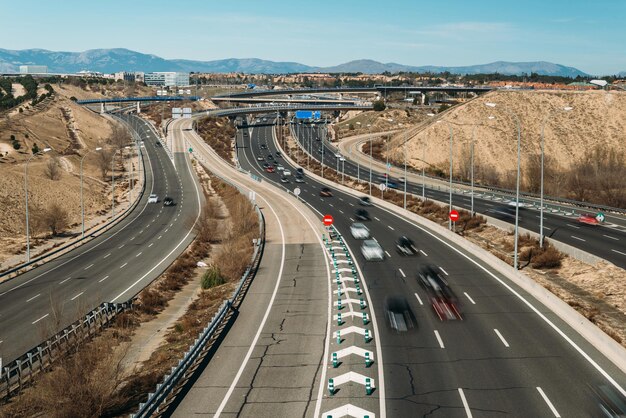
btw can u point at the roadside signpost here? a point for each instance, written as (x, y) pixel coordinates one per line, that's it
(382, 187)
(454, 215)
(297, 192)
(600, 217)
(327, 220)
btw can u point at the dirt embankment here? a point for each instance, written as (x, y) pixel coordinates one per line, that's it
(71, 131)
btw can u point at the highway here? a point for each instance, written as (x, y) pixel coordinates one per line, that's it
(272, 361)
(509, 355)
(604, 242)
(110, 268)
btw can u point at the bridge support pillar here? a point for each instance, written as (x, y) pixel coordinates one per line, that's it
(102, 107)
(138, 108)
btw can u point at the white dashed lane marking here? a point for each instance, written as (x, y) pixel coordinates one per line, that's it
(402, 273)
(77, 295)
(103, 279)
(34, 297)
(37, 320)
(439, 340)
(444, 272)
(123, 265)
(63, 281)
(107, 255)
(506, 344)
(470, 299)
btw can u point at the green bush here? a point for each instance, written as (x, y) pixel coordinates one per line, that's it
(211, 278)
(16, 144)
(35, 148)
(379, 105)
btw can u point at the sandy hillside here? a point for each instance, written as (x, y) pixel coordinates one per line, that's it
(97, 91)
(70, 130)
(597, 119)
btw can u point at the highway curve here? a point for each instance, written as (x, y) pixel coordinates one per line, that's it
(110, 268)
(509, 355)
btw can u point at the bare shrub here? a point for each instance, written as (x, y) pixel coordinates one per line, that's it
(119, 137)
(151, 302)
(53, 169)
(55, 218)
(103, 160)
(549, 258)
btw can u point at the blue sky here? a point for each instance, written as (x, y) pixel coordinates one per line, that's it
(588, 35)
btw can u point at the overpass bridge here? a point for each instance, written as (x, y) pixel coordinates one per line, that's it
(384, 90)
(238, 111)
(281, 100)
(138, 99)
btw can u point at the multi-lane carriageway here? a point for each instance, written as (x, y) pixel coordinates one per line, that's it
(509, 355)
(604, 242)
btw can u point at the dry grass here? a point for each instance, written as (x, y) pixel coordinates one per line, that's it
(219, 133)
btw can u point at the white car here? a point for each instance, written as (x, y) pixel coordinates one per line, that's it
(153, 198)
(286, 172)
(359, 231)
(372, 250)
(338, 155)
(279, 167)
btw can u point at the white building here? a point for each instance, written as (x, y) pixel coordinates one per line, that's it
(129, 76)
(167, 79)
(33, 69)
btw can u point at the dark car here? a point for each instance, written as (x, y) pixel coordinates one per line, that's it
(326, 192)
(399, 314)
(405, 246)
(300, 171)
(266, 165)
(299, 179)
(263, 146)
(392, 185)
(270, 157)
(158, 144)
(168, 201)
(442, 298)
(361, 215)
(278, 154)
(365, 201)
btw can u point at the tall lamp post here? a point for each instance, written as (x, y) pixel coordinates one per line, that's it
(113, 178)
(451, 145)
(358, 164)
(82, 202)
(519, 156)
(26, 194)
(370, 132)
(543, 125)
(472, 164)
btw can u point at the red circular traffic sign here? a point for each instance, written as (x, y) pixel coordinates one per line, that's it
(328, 220)
(454, 215)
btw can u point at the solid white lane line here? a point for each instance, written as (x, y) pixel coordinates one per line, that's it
(103, 279)
(439, 339)
(388, 255)
(402, 273)
(63, 281)
(107, 255)
(37, 320)
(580, 239)
(390, 228)
(88, 267)
(377, 219)
(78, 295)
(468, 411)
(619, 252)
(418, 299)
(444, 272)
(37, 295)
(506, 344)
(151, 244)
(139, 254)
(123, 265)
(423, 253)
(545, 398)
(470, 299)
(608, 236)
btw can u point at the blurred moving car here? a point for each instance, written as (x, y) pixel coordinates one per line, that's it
(359, 231)
(168, 201)
(361, 215)
(278, 154)
(405, 246)
(589, 219)
(158, 144)
(280, 167)
(325, 192)
(299, 179)
(270, 169)
(372, 251)
(300, 171)
(442, 298)
(392, 185)
(284, 179)
(399, 314)
(611, 403)
(260, 158)
(153, 198)
(286, 172)
(365, 201)
(263, 146)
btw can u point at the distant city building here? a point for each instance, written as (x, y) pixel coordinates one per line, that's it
(33, 69)
(173, 79)
(129, 76)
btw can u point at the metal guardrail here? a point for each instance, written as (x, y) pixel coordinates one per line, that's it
(166, 392)
(21, 371)
(88, 236)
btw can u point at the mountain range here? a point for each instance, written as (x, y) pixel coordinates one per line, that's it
(120, 59)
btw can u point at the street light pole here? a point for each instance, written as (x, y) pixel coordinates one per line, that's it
(26, 195)
(82, 202)
(113, 183)
(370, 132)
(405, 173)
(519, 154)
(543, 125)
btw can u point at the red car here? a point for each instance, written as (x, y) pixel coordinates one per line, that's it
(588, 218)
(270, 169)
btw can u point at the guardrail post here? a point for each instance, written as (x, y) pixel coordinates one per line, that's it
(362, 303)
(368, 386)
(335, 361)
(368, 360)
(365, 320)
(339, 305)
(339, 320)
(331, 387)
(367, 336)
(338, 337)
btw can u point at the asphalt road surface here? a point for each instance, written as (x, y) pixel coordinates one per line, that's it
(110, 268)
(509, 356)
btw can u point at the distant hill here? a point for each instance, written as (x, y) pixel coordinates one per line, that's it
(501, 67)
(120, 59)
